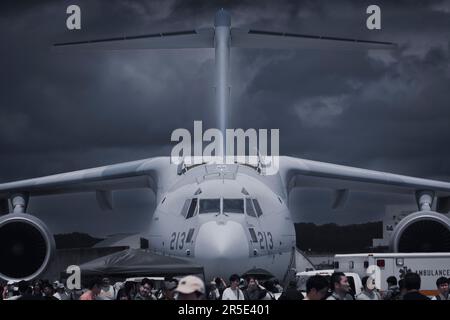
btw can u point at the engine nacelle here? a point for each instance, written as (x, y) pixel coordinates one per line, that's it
(26, 247)
(422, 231)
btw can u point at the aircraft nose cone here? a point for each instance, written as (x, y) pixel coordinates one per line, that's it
(222, 248)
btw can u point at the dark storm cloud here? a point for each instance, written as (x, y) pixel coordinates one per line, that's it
(69, 110)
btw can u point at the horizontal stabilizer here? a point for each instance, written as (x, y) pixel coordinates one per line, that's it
(242, 38)
(201, 38)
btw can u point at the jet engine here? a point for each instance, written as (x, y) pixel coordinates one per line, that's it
(26, 247)
(422, 231)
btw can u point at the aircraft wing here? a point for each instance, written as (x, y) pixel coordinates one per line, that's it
(240, 38)
(199, 38)
(297, 172)
(249, 38)
(145, 173)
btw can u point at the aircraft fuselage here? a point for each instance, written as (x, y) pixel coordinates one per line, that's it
(228, 218)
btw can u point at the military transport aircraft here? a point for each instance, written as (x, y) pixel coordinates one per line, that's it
(227, 217)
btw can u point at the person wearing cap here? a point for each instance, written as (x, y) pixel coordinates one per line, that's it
(214, 293)
(369, 291)
(55, 284)
(190, 288)
(233, 292)
(61, 293)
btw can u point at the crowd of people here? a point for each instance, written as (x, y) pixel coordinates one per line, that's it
(191, 287)
(407, 288)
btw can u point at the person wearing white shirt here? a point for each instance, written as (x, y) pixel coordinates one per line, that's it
(369, 291)
(61, 293)
(233, 292)
(341, 287)
(108, 292)
(442, 288)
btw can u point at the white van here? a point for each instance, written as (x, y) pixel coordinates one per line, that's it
(353, 279)
(430, 266)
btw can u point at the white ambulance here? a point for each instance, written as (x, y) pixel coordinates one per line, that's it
(430, 267)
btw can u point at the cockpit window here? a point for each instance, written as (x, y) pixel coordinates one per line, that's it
(185, 208)
(233, 205)
(192, 208)
(249, 207)
(209, 206)
(257, 208)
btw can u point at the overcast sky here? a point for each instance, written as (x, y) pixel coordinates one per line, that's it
(63, 111)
